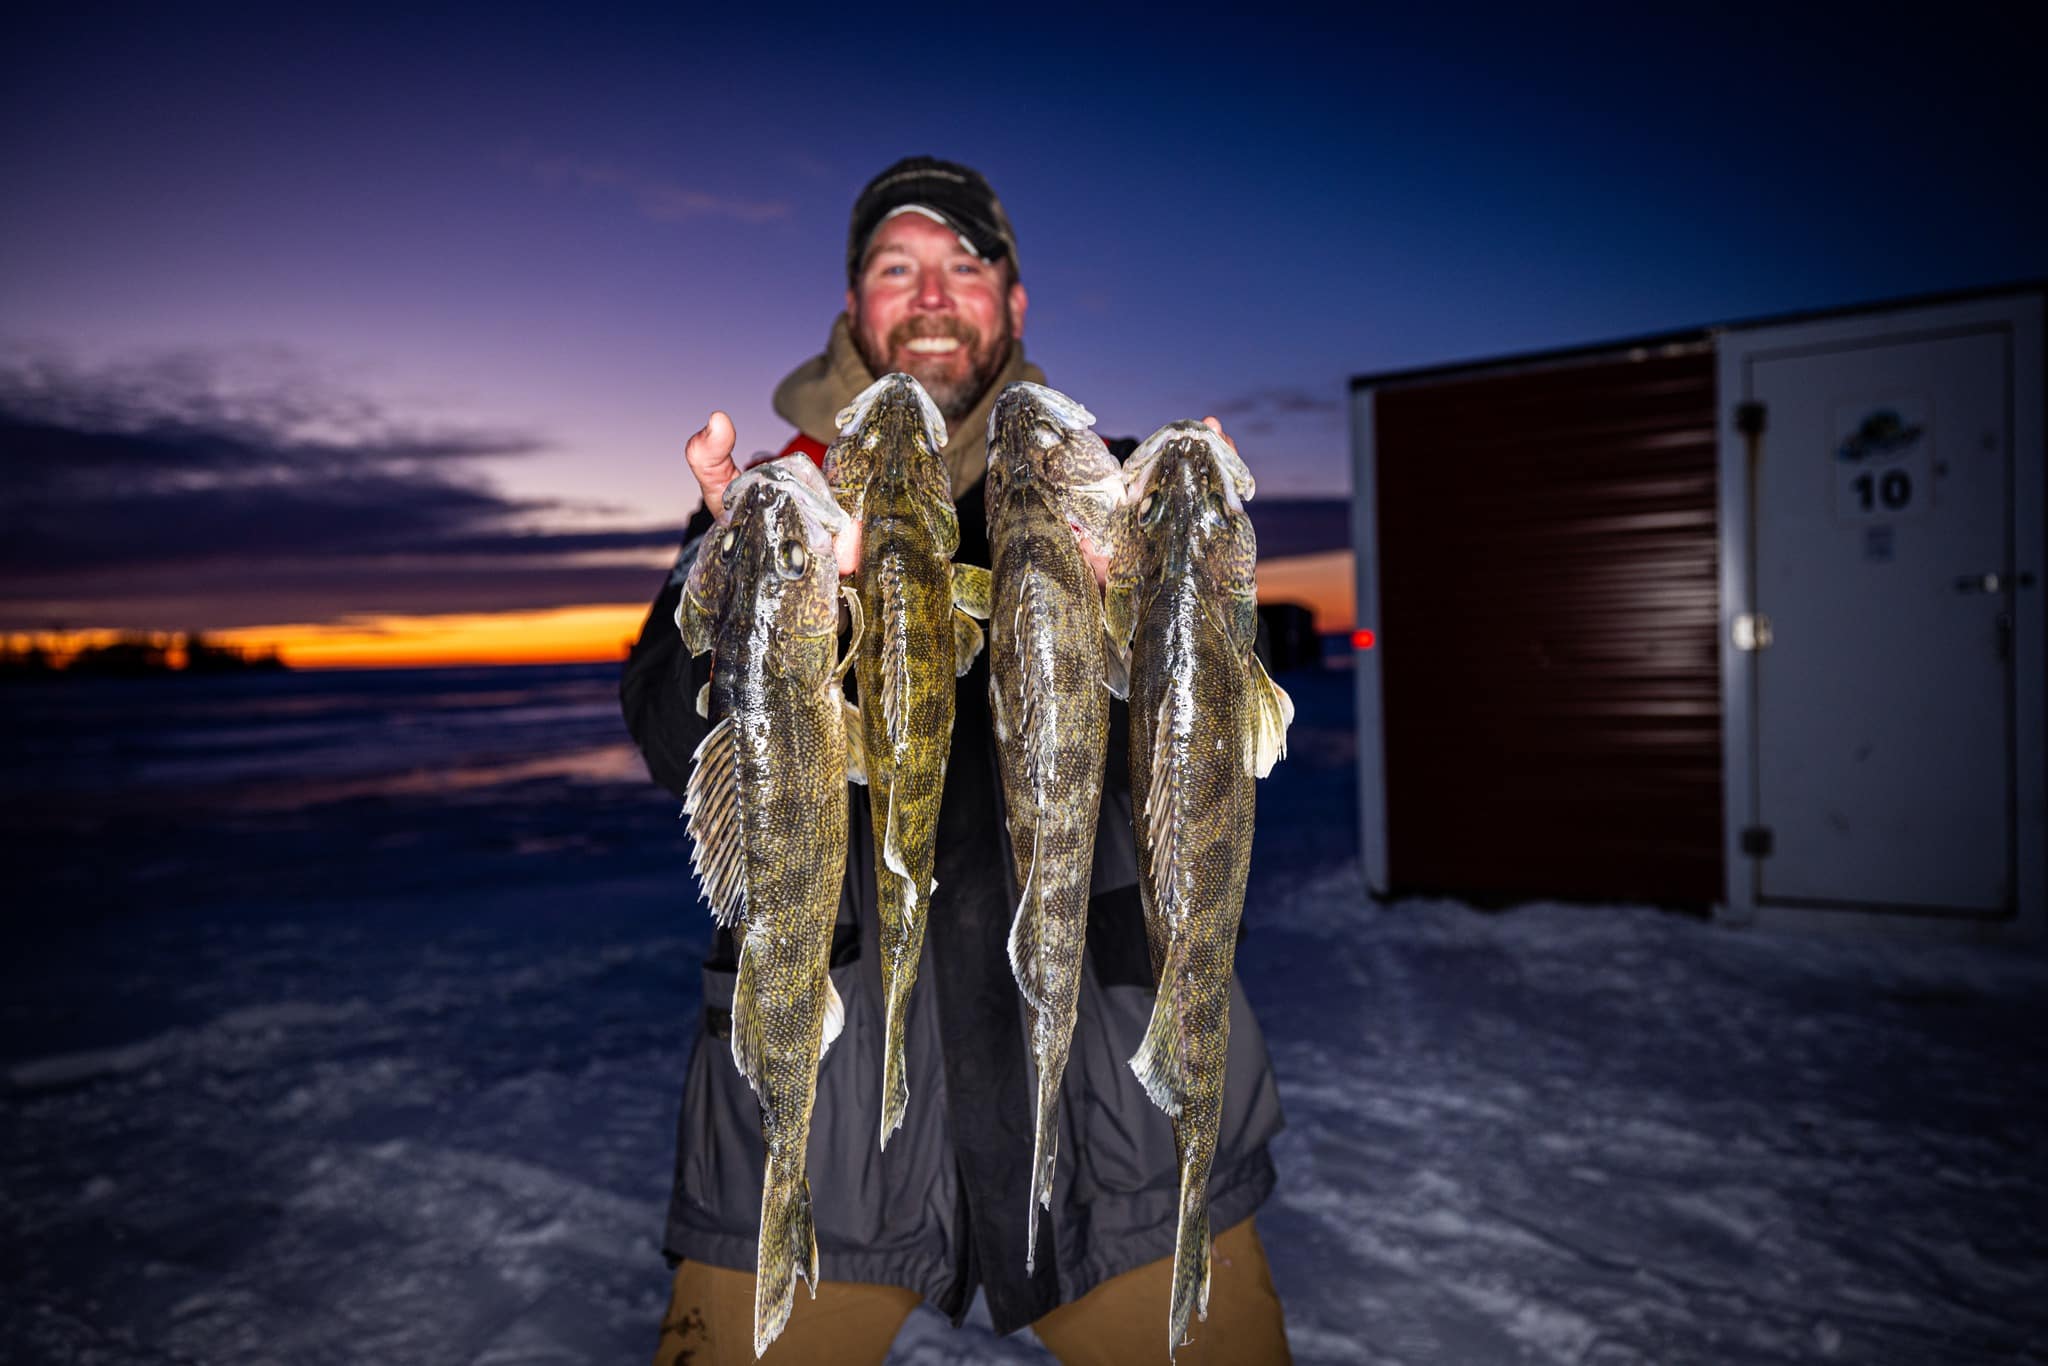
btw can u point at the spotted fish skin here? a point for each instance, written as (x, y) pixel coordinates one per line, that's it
(1206, 723)
(886, 470)
(767, 810)
(1050, 481)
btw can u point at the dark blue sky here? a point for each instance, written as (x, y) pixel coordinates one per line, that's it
(557, 239)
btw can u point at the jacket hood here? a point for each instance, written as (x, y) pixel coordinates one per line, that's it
(813, 393)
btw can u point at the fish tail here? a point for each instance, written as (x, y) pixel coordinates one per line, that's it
(1190, 1258)
(895, 1085)
(1044, 1152)
(788, 1247)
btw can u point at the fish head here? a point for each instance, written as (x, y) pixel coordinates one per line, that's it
(1040, 438)
(892, 433)
(774, 563)
(1185, 491)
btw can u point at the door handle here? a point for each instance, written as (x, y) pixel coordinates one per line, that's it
(1993, 583)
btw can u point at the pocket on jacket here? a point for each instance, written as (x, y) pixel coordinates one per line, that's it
(1124, 1141)
(722, 1155)
(719, 1149)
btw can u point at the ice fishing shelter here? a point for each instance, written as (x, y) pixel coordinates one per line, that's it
(1747, 617)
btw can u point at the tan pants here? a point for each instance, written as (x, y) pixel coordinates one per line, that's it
(1122, 1322)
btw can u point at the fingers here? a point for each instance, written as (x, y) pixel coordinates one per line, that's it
(846, 545)
(710, 455)
(1217, 427)
(1096, 559)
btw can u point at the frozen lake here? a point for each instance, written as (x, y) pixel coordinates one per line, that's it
(345, 1019)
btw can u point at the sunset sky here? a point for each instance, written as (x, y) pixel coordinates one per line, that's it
(376, 333)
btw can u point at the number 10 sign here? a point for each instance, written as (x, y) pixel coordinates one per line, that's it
(1882, 453)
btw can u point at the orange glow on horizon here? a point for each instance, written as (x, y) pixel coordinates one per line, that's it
(562, 635)
(1326, 584)
(597, 632)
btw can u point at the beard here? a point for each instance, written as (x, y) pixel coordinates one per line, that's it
(956, 382)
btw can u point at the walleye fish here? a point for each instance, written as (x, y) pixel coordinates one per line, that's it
(767, 809)
(887, 473)
(1205, 722)
(1049, 478)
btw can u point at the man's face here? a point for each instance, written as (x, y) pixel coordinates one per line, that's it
(926, 305)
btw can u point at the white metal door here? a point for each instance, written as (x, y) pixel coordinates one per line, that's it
(1883, 579)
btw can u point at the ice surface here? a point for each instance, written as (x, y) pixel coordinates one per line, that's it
(354, 1032)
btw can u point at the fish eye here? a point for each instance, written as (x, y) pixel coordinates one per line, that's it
(1148, 510)
(791, 559)
(1217, 505)
(727, 541)
(1047, 438)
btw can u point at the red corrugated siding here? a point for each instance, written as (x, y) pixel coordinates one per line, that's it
(1549, 600)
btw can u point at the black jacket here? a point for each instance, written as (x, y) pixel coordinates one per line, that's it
(944, 1208)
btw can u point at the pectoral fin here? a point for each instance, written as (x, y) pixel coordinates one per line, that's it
(858, 627)
(835, 1019)
(966, 641)
(1116, 669)
(973, 590)
(1117, 618)
(718, 846)
(856, 744)
(694, 623)
(1273, 714)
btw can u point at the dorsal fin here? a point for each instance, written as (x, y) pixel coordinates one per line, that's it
(894, 702)
(1029, 681)
(895, 662)
(1163, 815)
(718, 848)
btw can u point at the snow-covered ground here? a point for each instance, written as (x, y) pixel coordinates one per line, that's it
(345, 1018)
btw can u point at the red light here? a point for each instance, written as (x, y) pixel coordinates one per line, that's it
(1362, 639)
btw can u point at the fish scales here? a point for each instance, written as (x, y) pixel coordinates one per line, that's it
(768, 809)
(886, 470)
(1206, 723)
(1048, 474)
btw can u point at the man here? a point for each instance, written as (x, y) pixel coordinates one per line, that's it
(933, 290)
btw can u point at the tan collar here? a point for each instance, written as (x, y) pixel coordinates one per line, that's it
(813, 393)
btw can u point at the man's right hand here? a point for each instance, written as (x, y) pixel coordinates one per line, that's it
(710, 455)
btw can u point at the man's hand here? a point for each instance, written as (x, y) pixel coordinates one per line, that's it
(710, 455)
(1217, 427)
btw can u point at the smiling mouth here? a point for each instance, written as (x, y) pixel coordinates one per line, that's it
(932, 346)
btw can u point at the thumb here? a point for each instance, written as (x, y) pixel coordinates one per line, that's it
(710, 455)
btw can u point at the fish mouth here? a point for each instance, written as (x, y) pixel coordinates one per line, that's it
(895, 388)
(795, 477)
(1179, 441)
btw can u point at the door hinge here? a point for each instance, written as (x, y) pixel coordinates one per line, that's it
(1750, 631)
(1750, 418)
(1756, 841)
